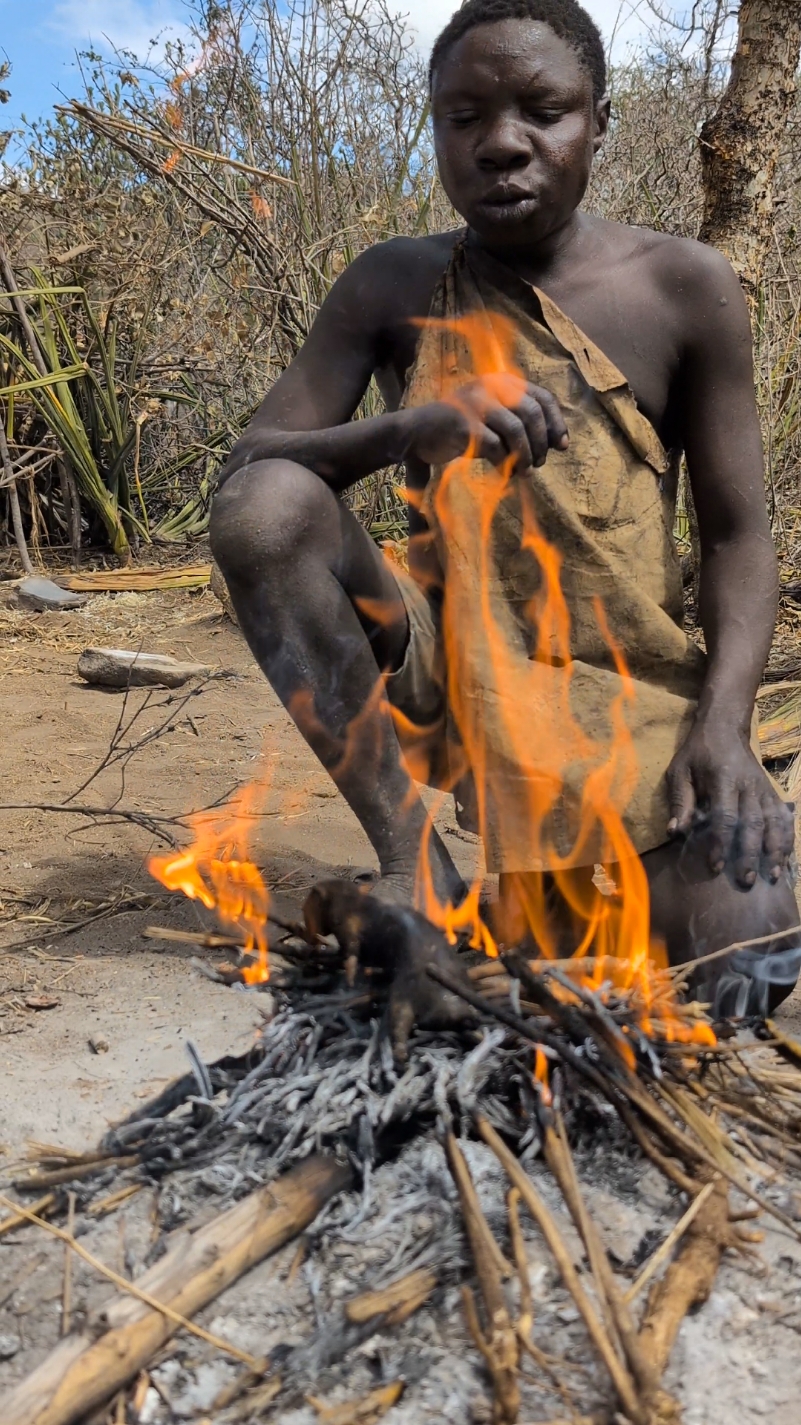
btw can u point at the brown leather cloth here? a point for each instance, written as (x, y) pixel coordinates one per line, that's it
(607, 505)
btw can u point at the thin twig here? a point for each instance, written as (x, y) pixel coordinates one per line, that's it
(662, 1253)
(688, 966)
(622, 1380)
(66, 1294)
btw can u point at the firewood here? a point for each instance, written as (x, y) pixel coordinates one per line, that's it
(621, 1379)
(359, 1412)
(396, 1302)
(689, 1279)
(498, 1345)
(17, 1219)
(82, 1371)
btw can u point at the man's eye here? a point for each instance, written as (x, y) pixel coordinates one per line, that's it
(461, 117)
(545, 116)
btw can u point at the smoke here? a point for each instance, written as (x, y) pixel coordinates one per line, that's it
(755, 984)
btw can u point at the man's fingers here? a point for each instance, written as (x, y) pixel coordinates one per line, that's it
(558, 437)
(749, 839)
(512, 432)
(533, 418)
(778, 836)
(681, 794)
(723, 821)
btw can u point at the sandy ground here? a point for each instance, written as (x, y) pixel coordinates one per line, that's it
(108, 982)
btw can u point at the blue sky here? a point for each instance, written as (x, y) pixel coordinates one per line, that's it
(40, 38)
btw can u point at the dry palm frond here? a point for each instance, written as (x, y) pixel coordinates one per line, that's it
(780, 732)
(190, 576)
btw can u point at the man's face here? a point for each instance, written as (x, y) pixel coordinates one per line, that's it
(515, 129)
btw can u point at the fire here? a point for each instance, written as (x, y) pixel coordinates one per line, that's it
(217, 871)
(541, 1076)
(543, 736)
(540, 730)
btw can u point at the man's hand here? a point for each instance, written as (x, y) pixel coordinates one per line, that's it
(715, 776)
(498, 416)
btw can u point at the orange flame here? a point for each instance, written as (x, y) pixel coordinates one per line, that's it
(541, 1076)
(541, 734)
(217, 871)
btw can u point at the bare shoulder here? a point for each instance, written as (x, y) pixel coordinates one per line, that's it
(395, 279)
(697, 281)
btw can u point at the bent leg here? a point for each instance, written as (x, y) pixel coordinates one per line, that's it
(322, 613)
(696, 913)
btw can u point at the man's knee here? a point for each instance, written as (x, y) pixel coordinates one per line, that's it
(264, 515)
(698, 914)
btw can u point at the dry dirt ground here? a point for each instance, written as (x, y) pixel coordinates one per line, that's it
(104, 979)
(75, 899)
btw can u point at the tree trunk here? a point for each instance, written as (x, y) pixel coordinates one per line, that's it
(740, 143)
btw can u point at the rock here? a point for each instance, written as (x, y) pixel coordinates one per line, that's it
(9, 1345)
(116, 668)
(98, 1044)
(43, 594)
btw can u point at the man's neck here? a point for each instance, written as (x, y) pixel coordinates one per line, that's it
(546, 259)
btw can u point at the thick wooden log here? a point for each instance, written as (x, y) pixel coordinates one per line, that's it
(82, 1372)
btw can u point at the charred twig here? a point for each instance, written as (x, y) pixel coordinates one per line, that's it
(621, 1379)
(498, 1346)
(73, 1172)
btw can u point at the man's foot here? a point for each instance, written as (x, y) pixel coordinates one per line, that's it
(401, 884)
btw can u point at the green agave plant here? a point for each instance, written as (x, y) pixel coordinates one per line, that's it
(87, 407)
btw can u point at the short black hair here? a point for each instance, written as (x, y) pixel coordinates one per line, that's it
(566, 18)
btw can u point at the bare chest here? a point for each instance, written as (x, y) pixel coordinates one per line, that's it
(629, 321)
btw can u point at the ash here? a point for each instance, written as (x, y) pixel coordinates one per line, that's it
(326, 1082)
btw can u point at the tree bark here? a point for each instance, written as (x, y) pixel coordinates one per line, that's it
(740, 143)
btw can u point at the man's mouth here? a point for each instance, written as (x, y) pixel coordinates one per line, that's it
(506, 200)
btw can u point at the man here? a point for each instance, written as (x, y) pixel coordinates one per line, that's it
(519, 110)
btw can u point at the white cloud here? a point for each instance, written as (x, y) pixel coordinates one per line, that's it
(618, 18)
(142, 26)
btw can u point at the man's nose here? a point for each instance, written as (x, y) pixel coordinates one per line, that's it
(504, 146)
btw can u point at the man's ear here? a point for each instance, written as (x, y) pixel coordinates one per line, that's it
(602, 109)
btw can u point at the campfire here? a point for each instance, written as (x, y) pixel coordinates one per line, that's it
(558, 1065)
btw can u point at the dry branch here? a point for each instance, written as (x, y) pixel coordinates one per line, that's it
(689, 1280)
(82, 1372)
(621, 1379)
(498, 1345)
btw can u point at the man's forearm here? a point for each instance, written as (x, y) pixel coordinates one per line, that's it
(738, 601)
(340, 456)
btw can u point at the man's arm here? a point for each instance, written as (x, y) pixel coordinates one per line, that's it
(307, 415)
(715, 772)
